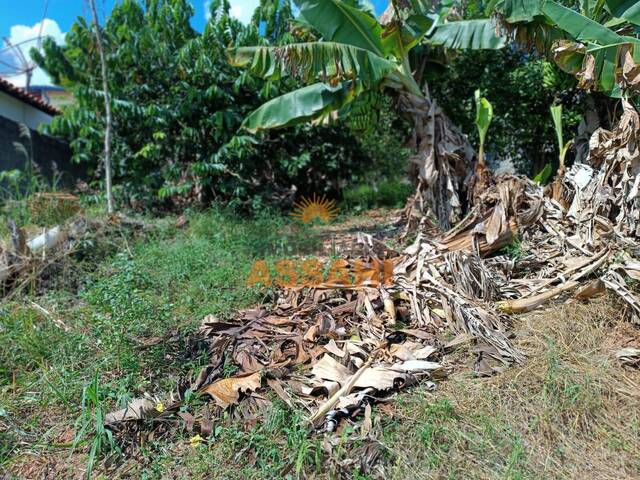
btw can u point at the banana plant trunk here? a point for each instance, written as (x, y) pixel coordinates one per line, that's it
(442, 163)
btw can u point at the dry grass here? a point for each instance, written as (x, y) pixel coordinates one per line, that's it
(569, 412)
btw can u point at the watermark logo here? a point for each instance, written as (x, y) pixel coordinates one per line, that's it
(316, 208)
(313, 273)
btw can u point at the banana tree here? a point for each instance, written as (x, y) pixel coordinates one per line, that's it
(356, 54)
(598, 43)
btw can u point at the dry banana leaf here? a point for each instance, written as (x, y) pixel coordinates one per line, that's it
(227, 391)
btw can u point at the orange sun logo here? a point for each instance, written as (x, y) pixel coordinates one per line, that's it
(321, 208)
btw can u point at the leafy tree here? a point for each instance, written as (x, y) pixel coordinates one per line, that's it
(177, 105)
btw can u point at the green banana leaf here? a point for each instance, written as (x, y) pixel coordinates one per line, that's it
(563, 148)
(606, 60)
(626, 9)
(326, 61)
(399, 39)
(556, 115)
(544, 175)
(309, 103)
(339, 22)
(468, 34)
(581, 28)
(598, 53)
(516, 11)
(484, 115)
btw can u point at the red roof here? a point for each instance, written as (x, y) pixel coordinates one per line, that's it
(26, 97)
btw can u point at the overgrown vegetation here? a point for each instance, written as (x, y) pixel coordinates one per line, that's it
(177, 105)
(158, 289)
(118, 320)
(521, 90)
(131, 332)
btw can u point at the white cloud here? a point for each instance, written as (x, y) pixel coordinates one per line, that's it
(241, 9)
(25, 37)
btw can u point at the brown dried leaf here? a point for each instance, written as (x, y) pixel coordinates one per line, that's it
(226, 392)
(327, 368)
(630, 69)
(586, 76)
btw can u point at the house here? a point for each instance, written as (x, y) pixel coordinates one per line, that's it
(51, 156)
(23, 107)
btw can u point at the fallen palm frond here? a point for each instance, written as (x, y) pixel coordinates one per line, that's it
(332, 350)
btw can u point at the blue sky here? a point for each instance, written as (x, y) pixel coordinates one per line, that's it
(20, 20)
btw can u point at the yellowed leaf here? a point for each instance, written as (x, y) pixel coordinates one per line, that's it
(226, 392)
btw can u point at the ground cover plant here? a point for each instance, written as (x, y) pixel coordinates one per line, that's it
(152, 290)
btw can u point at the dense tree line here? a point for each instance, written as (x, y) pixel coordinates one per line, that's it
(177, 105)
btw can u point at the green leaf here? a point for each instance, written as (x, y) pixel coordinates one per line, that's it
(564, 150)
(484, 115)
(305, 104)
(569, 56)
(600, 61)
(468, 34)
(606, 60)
(339, 22)
(544, 175)
(399, 38)
(581, 28)
(515, 11)
(556, 115)
(627, 9)
(326, 61)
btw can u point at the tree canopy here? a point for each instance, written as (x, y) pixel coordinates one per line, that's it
(178, 105)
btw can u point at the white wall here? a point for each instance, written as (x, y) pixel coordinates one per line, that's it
(18, 111)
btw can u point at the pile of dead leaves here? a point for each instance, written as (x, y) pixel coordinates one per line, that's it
(334, 351)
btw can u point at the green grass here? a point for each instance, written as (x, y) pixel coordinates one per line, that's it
(537, 420)
(160, 287)
(386, 193)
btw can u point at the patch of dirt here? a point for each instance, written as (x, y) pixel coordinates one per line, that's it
(48, 466)
(341, 238)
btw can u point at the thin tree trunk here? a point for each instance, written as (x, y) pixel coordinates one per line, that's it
(107, 106)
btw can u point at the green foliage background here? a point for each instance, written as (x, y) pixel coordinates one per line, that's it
(178, 104)
(521, 89)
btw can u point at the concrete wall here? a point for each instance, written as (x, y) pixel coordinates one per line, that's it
(50, 155)
(21, 112)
